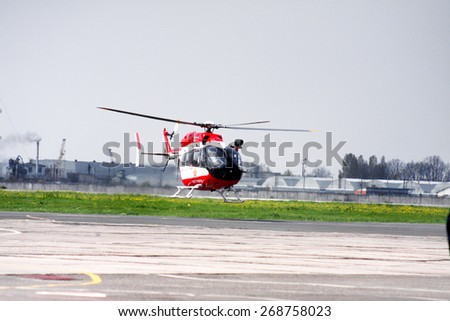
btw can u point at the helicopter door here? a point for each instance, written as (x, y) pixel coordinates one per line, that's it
(233, 158)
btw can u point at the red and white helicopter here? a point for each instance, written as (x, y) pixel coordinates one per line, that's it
(205, 161)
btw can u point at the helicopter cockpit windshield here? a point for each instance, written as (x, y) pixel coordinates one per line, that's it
(214, 157)
(223, 163)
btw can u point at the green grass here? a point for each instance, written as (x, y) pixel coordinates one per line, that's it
(85, 203)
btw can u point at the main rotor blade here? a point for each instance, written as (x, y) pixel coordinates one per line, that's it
(271, 129)
(152, 117)
(208, 125)
(157, 154)
(245, 124)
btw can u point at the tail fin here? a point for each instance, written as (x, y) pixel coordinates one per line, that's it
(168, 152)
(167, 145)
(139, 155)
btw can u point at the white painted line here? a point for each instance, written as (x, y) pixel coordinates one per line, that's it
(307, 284)
(40, 218)
(153, 293)
(74, 294)
(376, 287)
(226, 281)
(240, 297)
(9, 232)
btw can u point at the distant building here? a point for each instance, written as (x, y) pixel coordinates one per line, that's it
(349, 185)
(91, 172)
(443, 190)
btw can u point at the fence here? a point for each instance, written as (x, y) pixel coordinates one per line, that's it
(250, 193)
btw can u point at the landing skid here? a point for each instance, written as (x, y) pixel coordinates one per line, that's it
(225, 192)
(190, 190)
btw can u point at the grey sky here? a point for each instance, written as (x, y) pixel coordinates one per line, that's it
(375, 73)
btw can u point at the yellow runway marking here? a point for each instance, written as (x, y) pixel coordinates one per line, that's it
(95, 279)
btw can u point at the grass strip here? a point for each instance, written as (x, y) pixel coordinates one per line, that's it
(125, 204)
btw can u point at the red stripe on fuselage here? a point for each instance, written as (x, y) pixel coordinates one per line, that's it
(208, 183)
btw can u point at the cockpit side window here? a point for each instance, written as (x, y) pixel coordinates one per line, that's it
(192, 158)
(237, 158)
(196, 158)
(183, 161)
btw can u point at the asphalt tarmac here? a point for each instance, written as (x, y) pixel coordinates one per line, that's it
(47, 256)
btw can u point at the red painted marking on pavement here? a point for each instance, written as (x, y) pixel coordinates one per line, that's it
(45, 277)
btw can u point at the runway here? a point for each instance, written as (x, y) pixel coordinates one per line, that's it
(47, 256)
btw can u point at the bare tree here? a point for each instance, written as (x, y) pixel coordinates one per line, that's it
(409, 171)
(321, 172)
(436, 168)
(395, 169)
(432, 168)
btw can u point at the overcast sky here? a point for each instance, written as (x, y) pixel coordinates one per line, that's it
(374, 73)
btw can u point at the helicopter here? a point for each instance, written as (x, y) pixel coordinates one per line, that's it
(204, 160)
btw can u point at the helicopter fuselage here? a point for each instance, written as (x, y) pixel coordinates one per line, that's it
(207, 162)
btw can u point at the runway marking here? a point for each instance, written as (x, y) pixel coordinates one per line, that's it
(40, 218)
(94, 279)
(75, 294)
(307, 284)
(191, 295)
(92, 223)
(425, 299)
(240, 297)
(375, 287)
(228, 281)
(9, 232)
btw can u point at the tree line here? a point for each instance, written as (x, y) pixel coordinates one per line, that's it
(431, 168)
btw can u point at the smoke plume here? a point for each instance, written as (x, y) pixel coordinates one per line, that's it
(27, 138)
